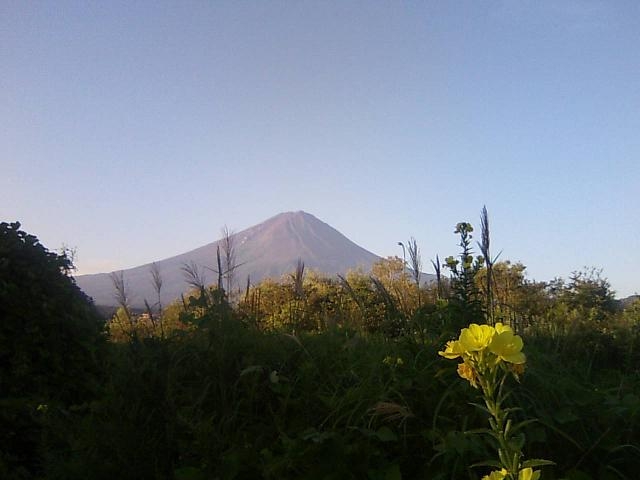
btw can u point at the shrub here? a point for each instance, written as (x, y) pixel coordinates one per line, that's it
(50, 336)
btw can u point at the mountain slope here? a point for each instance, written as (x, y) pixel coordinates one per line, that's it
(269, 249)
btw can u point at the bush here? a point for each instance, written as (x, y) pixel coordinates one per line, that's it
(50, 336)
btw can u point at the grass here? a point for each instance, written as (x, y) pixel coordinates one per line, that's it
(237, 403)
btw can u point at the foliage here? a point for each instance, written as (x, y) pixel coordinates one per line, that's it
(466, 295)
(228, 400)
(50, 343)
(490, 355)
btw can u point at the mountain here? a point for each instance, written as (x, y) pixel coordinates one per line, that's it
(628, 301)
(269, 249)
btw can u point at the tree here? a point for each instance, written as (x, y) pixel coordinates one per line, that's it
(588, 293)
(515, 300)
(392, 275)
(50, 342)
(588, 289)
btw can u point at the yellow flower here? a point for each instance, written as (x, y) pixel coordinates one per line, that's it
(452, 350)
(467, 372)
(503, 328)
(476, 337)
(508, 347)
(496, 475)
(528, 474)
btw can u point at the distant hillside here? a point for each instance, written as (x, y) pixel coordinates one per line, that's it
(627, 301)
(269, 249)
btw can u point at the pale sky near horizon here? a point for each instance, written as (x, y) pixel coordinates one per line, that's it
(134, 131)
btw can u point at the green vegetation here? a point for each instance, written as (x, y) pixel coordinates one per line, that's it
(489, 356)
(51, 342)
(318, 378)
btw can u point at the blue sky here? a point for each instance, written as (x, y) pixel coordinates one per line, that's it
(135, 130)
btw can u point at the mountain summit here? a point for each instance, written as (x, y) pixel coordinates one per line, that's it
(269, 249)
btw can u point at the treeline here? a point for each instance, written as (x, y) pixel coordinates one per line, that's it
(393, 300)
(308, 377)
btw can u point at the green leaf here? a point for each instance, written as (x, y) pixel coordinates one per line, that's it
(520, 425)
(536, 462)
(511, 410)
(385, 434)
(517, 441)
(503, 458)
(481, 407)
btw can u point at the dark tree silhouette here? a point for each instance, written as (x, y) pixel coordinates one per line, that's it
(50, 338)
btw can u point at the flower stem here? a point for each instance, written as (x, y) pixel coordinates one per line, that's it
(508, 454)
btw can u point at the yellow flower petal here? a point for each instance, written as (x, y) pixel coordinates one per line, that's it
(476, 337)
(496, 475)
(452, 350)
(508, 347)
(500, 327)
(528, 474)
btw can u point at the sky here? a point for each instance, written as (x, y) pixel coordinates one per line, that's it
(134, 131)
